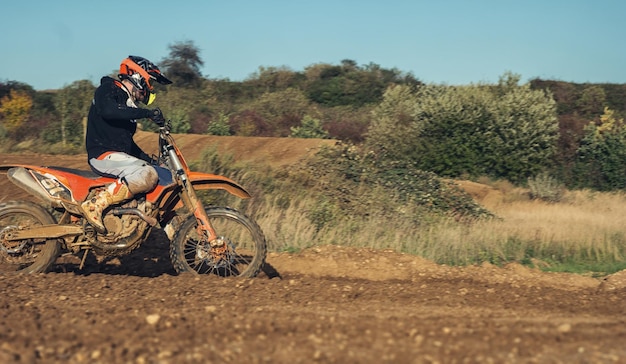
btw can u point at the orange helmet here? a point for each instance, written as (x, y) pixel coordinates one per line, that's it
(141, 72)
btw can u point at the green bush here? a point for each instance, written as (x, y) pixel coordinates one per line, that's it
(545, 187)
(219, 126)
(503, 131)
(385, 187)
(309, 128)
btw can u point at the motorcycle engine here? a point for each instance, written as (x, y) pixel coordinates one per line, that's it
(113, 223)
(124, 226)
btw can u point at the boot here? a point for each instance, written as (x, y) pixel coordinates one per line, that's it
(92, 209)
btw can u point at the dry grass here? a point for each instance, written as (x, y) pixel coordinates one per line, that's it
(587, 226)
(287, 229)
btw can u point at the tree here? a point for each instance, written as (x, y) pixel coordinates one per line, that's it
(526, 130)
(350, 84)
(394, 127)
(15, 110)
(601, 157)
(7, 86)
(281, 110)
(592, 101)
(183, 64)
(272, 79)
(72, 103)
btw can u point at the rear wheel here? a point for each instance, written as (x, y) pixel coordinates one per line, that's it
(239, 250)
(28, 255)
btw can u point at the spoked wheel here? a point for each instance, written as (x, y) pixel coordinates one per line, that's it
(239, 250)
(29, 255)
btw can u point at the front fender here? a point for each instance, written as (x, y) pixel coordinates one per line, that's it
(207, 181)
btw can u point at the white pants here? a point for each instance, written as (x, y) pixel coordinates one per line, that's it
(138, 174)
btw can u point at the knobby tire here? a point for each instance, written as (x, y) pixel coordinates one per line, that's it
(32, 257)
(243, 238)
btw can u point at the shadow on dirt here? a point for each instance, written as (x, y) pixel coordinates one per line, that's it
(151, 259)
(269, 271)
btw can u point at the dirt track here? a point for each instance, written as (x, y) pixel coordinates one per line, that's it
(326, 305)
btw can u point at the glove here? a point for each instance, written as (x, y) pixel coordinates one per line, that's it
(157, 116)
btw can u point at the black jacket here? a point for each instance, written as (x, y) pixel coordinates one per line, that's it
(111, 123)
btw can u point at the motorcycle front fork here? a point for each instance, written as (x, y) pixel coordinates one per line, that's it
(205, 230)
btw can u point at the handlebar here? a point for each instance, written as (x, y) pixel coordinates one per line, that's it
(166, 128)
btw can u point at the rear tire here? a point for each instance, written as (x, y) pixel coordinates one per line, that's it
(243, 239)
(27, 256)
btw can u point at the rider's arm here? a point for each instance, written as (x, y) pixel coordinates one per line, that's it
(111, 105)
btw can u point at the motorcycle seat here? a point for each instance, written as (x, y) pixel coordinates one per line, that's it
(79, 172)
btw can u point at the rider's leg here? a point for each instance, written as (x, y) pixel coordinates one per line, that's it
(135, 176)
(115, 192)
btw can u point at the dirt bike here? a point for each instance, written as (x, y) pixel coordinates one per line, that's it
(212, 240)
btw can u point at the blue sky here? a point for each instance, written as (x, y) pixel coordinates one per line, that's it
(50, 44)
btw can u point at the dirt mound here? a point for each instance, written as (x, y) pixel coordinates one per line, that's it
(483, 194)
(615, 281)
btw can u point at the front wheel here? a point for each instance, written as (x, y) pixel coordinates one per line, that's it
(238, 251)
(29, 255)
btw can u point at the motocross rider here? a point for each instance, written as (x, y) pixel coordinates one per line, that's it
(111, 125)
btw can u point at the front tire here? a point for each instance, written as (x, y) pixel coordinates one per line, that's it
(26, 256)
(242, 246)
